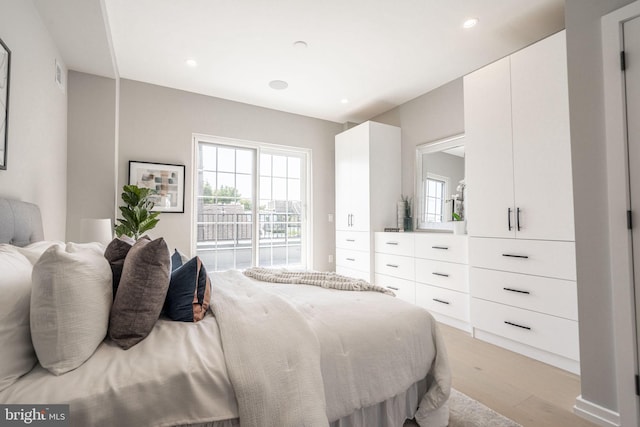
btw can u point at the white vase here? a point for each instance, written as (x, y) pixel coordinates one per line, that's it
(459, 227)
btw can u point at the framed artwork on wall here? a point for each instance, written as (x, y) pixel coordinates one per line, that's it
(166, 179)
(5, 71)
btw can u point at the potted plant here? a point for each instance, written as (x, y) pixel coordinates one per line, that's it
(137, 215)
(408, 217)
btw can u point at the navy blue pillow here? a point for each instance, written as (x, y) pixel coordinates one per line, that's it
(176, 260)
(189, 292)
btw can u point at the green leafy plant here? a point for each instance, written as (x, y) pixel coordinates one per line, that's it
(407, 205)
(456, 217)
(137, 215)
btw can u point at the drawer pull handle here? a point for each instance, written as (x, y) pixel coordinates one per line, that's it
(351, 240)
(517, 326)
(351, 259)
(393, 288)
(516, 291)
(516, 256)
(392, 265)
(440, 274)
(440, 247)
(392, 243)
(441, 301)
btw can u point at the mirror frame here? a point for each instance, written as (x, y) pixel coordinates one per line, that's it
(426, 148)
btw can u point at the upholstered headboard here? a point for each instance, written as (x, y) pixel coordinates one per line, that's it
(20, 222)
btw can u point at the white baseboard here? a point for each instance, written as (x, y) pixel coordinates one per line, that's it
(595, 413)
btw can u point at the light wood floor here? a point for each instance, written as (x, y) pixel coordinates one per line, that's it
(527, 391)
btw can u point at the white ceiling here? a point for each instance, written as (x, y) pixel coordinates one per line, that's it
(376, 53)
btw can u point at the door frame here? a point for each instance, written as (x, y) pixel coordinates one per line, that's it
(620, 250)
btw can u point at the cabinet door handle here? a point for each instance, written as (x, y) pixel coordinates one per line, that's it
(518, 291)
(440, 274)
(392, 243)
(509, 218)
(518, 219)
(352, 220)
(351, 259)
(440, 247)
(516, 256)
(441, 301)
(518, 326)
(393, 288)
(351, 240)
(392, 265)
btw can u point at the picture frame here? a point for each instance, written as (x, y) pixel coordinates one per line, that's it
(165, 178)
(5, 80)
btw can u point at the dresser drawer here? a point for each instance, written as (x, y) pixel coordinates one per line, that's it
(356, 260)
(549, 333)
(557, 297)
(443, 274)
(404, 289)
(395, 265)
(441, 247)
(537, 257)
(444, 301)
(394, 243)
(356, 240)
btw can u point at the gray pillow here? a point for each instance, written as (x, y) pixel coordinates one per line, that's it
(141, 293)
(115, 253)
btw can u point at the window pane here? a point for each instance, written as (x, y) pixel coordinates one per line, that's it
(207, 159)
(294, 167)
(265, 188)
(226, 159)
(431, 189)
(294, 189)
(226, 180)
(244, 185)
(279, 189)
(439, 186)
(244, 161)
(279, 166)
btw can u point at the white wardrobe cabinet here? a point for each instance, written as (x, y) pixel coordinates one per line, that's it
(520, 204)
(517, 125)
(367, 167)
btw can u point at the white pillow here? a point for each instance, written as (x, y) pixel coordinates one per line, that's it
(70, 303)
(34, 250)
(17, 356)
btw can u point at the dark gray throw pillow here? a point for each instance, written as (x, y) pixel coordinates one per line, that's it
(189, 292)
(141, 293)
(115, 253)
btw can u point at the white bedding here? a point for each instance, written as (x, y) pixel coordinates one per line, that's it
(369, 352)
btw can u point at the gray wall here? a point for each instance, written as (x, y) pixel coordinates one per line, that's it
(91, 172)
(156, 125)
(37, 145)
(584, 55)
(429, 117)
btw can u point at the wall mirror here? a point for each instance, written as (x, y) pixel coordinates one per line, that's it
(440, 185)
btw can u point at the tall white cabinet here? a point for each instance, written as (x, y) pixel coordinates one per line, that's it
(520, 204)
(367, 167)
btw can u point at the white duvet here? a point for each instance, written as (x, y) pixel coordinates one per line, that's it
(371, 347)
(285, 343)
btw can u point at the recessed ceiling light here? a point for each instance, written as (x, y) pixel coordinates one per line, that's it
(191, 62)
(470, 23)
(344, 100)
(300, 44)
(278, 84)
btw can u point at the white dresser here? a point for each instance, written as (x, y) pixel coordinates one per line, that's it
(520, 205)
(427, 269)
(367, 184)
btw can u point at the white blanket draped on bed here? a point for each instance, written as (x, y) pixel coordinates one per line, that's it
(299, 356)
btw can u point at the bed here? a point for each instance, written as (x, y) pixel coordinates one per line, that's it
(268, 354)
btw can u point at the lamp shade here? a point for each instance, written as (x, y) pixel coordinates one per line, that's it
(96, 230)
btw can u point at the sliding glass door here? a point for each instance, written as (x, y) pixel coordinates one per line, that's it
(250, 206)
